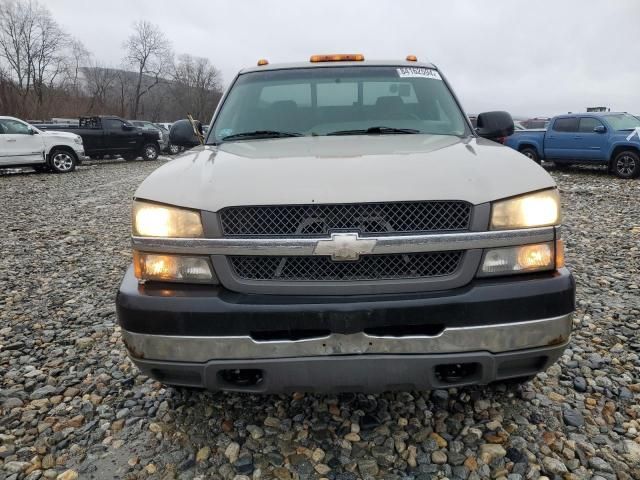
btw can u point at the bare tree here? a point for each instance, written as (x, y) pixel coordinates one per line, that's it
(16, 26)
(47, 54)
(196, 85)
(8, 94)
(45, 72)
(122, 82)
(32, 45)
(77, 58)
(149, 52)
(99, 82)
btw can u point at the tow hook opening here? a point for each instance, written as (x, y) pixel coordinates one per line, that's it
(456, 372)
(241, 377)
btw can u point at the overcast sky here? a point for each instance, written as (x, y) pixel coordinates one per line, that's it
(530, 57)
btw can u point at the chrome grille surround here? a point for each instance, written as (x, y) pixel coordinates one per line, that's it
(368, 267)
(366, 218)
(219, 249)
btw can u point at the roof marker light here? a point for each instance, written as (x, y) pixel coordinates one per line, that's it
(337, 57)
(412, 58)
(263, 61)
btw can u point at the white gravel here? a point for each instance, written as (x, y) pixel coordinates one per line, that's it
(72, 404)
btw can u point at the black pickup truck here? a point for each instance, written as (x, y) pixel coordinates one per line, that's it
(109, 135)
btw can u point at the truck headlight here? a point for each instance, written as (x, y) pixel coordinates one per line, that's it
(172, 268)
(538, 209)
(536, 257)
(154, 220)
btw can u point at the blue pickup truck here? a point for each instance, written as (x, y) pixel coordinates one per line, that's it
(611, 139)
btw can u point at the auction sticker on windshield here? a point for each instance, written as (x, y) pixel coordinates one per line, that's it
(423, 72)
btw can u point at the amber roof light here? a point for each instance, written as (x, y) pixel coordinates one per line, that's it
(412, 58)
(263, 61)
(337, 57)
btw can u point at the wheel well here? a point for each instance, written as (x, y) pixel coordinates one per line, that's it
(65, 148)
(528, 145)
(622, 148)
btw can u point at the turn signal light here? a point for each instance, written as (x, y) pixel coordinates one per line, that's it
(532, 257)
(172, 268)
(338, 57)
(263, 61)
(412, 58)
(519, 259)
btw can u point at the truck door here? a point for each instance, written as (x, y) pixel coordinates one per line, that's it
(560, 140)
(120, 137)
(592, 144)
(19, 143)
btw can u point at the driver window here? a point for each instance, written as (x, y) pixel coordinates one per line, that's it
(112, 124)
(12, 127)
(587, 124)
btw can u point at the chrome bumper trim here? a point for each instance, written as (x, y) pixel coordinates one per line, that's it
(492, 338)
(383, 244)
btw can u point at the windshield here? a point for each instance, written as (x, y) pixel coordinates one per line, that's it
(340, 101)
(623, 121)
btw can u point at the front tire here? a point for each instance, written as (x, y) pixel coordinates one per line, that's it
(150, 152)
(174, 149)
(531, 153)
(626, 164)
(62, 161)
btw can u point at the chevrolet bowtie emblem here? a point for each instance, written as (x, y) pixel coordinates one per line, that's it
(345, 246)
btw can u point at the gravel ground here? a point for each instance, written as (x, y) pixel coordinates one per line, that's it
(73, 406)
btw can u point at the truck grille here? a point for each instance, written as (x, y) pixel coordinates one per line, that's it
(367, 218)
(369, 267)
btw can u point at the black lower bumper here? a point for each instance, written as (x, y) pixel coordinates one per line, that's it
(196, 310)
(353, 373)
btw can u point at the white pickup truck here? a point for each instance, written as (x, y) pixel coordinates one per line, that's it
(23, 145)
(344, 228)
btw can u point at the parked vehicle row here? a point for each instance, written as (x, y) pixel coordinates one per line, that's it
(110, 135)
(163, 135)
(24, 145)
(611, 139)
(171, 148)
(537, 122)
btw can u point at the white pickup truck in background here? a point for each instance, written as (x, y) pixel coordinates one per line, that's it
(23, 145)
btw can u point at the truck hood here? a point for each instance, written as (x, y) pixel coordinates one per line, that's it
(56, 133)
(343, 169)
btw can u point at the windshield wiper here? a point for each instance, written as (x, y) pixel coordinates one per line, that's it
(374, 130)
(261, 134)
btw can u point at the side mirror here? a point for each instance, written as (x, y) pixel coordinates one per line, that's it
(600, 129)
(127, 126)
(32, 131)
(492, 125)
(182, 134)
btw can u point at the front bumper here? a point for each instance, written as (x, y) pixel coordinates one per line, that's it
(80, 154)
(496, 329)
